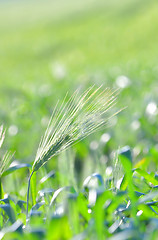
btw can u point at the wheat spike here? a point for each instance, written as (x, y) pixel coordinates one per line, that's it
(74, 120)
(5, 161)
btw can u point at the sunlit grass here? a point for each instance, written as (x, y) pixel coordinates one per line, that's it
(46, 49)
(91, 43)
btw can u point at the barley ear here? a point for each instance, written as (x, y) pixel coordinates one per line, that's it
(4, 161)
(75, 119)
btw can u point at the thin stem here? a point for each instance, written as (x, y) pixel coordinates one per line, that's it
(28, 190)
(1, 189)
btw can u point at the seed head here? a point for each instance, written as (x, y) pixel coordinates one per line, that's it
(5, 160)
(75, 119)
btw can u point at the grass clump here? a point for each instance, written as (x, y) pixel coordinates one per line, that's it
(107, 206)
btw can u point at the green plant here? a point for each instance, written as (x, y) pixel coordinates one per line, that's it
(4, 161)
(75, 119)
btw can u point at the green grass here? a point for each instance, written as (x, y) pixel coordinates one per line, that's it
(49, 48)
(94, 42)
(105, 206)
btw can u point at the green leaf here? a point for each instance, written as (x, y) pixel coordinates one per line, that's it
(82, 203)
(37, 206)
(147, 211)
(94, 175)
(57, 192)
(148, 176)
(99, 213)
(119, 199)
(59, 228)
(126, 234)
(14, 168)
(148, 197)
(127, 165)
(126, 152)
(9, 211)
(47, 176)
(124, 183)
(9, 232)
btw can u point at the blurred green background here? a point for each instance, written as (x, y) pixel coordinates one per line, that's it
(51, 47)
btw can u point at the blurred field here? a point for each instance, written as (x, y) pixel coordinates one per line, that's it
(50, 47)
(100, 188)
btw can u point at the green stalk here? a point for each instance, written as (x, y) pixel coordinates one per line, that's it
(28, 190)
(33, 189)
(1, 189)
